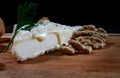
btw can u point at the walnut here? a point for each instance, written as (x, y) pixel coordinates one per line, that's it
(94, 42)
(84, 33)
(89, 27)
(2, 27)
(43, 20)
(68, 50)
(81, 39)
(102, 32)
(100, 37)
(79, 47)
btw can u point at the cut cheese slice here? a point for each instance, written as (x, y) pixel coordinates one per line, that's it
(29, 49)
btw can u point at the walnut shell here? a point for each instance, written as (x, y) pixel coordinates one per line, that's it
(2, 27)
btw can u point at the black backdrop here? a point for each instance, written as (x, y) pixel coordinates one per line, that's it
(73, 12)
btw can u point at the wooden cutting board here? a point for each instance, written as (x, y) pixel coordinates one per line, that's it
(103, 63)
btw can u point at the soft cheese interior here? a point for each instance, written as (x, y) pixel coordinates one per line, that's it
(42, 38)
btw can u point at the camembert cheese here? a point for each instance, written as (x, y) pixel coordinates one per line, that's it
(42, 38)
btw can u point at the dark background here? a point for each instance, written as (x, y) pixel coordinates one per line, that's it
(74, 12)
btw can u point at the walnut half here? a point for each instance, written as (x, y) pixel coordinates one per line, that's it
(2, 27)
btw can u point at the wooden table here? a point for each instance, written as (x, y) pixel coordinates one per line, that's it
(104, 63)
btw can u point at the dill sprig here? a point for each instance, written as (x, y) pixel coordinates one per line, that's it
(25, 14)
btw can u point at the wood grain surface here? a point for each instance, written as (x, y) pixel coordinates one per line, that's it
(103, 63)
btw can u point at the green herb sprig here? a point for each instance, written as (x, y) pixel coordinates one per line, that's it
(25, 14)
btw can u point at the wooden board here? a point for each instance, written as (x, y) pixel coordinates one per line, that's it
(104, 63)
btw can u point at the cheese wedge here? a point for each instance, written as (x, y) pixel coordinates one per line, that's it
(42, 38)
